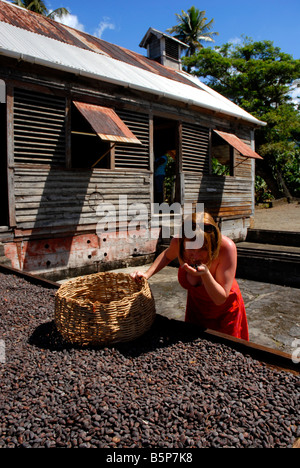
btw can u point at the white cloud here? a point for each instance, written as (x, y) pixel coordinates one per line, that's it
(103, 25)
(70, 20)
(235, 41)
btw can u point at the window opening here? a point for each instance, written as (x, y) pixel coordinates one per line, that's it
(3, 157)
(221, 156)
(165, 143)
(90, 121)
(87, 148)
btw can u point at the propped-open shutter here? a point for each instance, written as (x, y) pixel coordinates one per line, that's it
(195, 148)
(238, 144)
(39, 128)
(106, 124)
(133, 156)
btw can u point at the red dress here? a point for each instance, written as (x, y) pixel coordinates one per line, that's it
(229, 318)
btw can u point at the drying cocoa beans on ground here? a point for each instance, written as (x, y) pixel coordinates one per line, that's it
(171, 389)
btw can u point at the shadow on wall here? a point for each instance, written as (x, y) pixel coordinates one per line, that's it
(62, 204)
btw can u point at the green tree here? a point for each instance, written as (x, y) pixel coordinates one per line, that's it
(279, 146)
(38, 6)
(192, 29)
(258, 77)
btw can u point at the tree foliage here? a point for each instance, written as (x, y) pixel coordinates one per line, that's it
(259, 77)
(38, 6)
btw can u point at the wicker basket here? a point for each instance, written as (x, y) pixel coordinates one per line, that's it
(104, 308)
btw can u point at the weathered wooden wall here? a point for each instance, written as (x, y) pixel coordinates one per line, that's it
(223, 196)
(53, 198)
(58, 214)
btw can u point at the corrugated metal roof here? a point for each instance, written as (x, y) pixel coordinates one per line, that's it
(30, 21)
(238, 144)
(35, 46)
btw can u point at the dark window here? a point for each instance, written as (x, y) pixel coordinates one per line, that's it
(165, 136)
(172, 49)
(154, 48)
(221, 156)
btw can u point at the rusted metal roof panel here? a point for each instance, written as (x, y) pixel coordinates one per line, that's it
(44, 26)
(238, 144)
(38, 40)
(106, 123)
(38, 24)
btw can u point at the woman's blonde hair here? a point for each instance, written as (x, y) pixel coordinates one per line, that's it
(211, 235)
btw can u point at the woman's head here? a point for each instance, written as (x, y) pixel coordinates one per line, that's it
(200, 232)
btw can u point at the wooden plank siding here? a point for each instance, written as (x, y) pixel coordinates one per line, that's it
(55, 198)
(223, 196)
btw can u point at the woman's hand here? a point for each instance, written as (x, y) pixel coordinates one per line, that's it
(138, 275)
(195, 270)
(159, 263)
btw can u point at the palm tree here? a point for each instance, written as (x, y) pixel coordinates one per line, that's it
(192, 29)
(38, 6)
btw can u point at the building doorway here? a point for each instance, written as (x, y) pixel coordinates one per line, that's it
(3, 156)
(165, 160)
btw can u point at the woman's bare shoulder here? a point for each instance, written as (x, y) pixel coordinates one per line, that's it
(227, 246)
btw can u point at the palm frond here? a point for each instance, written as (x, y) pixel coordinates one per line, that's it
(58, 13)
(38, 6)
(192, 29)
(20, 3)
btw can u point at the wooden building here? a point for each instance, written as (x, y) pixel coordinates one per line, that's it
(82, 121)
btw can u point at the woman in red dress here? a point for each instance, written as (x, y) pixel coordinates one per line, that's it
(207, 272)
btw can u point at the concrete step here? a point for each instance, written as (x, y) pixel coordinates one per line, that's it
(269, 263)
(290, 253)
(265, 236)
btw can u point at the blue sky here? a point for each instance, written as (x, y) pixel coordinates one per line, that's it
(125, 22)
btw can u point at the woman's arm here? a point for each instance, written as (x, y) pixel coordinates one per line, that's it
(160, 262)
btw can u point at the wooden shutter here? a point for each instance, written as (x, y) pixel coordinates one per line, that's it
(195, 148)
(39, 128)
(133, 156)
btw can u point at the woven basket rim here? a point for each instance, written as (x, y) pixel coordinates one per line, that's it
(84, 321)
(87, 302)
